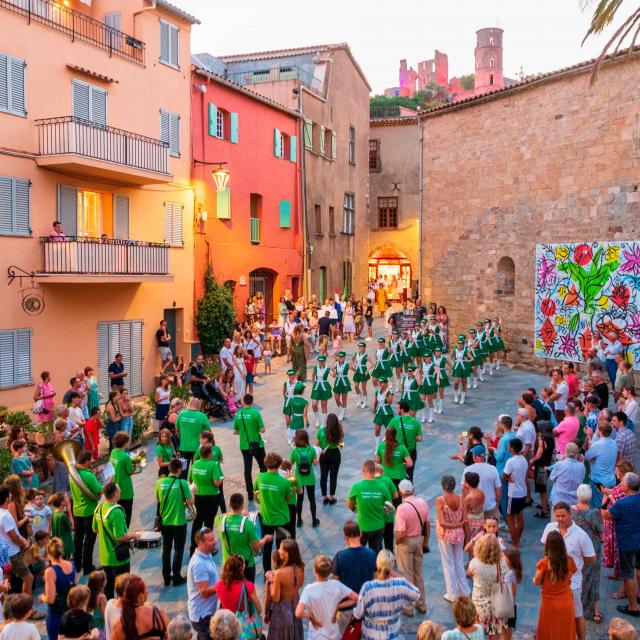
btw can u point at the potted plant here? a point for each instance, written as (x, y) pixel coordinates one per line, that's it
(3, 413)
(4, 437)
(20, 419)
(142, 415)
(44, 434)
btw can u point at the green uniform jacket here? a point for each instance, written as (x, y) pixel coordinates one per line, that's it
(248, 423)
(112, 517)
(84, 506)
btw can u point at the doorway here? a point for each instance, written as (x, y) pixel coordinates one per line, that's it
(261, 282)
(170, 317)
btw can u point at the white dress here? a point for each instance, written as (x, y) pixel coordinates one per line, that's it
(240, 373)
(349, 322)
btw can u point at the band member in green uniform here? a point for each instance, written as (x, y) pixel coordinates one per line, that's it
(382, 364)
(474, 366)
(383, 411)
(496, 325)
(123, 468)
(411, 389)
(406, 348)
(320, 390)
(341, 385)
(304, 457)
(395, 362)
(299, 407)
(461, 360)
(409, 433)
(429, 386)
(359, 366)
(287, 393)
(248, 425)
(440, 360)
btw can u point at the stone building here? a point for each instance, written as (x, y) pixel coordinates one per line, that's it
(548, 160)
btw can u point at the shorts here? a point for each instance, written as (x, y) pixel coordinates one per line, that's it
(18, 565)
(249, 378)
(370, 321)
(577, 603)
(516, 505)
(629, 563)
(165, 353)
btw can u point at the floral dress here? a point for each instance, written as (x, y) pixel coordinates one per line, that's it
(484, 576)
(590, 521)
(610, 549)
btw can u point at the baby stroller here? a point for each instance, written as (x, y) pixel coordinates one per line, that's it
(214, 404)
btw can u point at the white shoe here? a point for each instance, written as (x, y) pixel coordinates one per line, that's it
(430, 415)
(367, 339)
(497, 365)
(455, 396)
(462, 396)
(317, 420)
(475, 383)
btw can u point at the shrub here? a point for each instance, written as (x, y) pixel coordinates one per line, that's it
(216, 316)
(141, 420)
(5, 463)
(18, 418)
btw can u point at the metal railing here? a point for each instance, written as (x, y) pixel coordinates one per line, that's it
(80, 255)
(71, 135)
(276, 74)
(79, 26)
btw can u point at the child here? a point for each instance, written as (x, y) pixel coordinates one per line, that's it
(97, 600)
(337, 344)
(267, 354)
(513, 577)
(250, 365)
(76, 622)
(20, 605)
(61, 526)
(286, 471)
(39, 553)
(38, 511)
(620, 629)
(92, 428)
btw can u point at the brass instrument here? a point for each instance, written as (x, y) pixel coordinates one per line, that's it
(67, 452)
(139, 461)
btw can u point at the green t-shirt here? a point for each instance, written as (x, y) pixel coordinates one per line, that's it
(111, 516)
(124, 468)
(172, 510)
(248, 423)
(190, 424)
(388, 482)
(273, 491)
(412, 429)
(309, 454)
(84, 506)
(62, 527)
(396, 470)
(216, 453)
(164, 452)
(297, 405)
(204, 472)
(322, 440)
(234, 540)
(370, 496)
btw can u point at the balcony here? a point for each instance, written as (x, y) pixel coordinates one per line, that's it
(88, 149)
(78, 259)
(78, 26)
(277, 74)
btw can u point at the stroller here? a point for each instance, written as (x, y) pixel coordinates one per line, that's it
(214, 405)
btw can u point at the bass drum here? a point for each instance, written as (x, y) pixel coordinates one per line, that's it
(254, 516)
(148, 540)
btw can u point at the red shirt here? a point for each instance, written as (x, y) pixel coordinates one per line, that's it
(250, 363)
(574, 385)
(230, 596)
(92, 428)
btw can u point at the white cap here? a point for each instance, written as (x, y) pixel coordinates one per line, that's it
(405, 486)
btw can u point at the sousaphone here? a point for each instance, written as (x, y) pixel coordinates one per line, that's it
(67, 451)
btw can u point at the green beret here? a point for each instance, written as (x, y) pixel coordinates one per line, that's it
(411, 367)
(341, 354)
(362, 344)
(382, 380)
(291, 372)
(380, 340)
(322, 358)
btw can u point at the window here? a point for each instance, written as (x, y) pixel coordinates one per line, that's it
(317, 138)
(255, 208)
(388, 213)
(82, 212)
(506, 277)
(123, 337)
(285, 214)
(112, 21)
(89, 215)
(308, 134)
(352, 145)
(169, 35)
(220, 124)
(374, 155)
(223, 124)
(173, 223)
(491, 62)
(332, 221)
(89, 102)
(349, 214)
(15, 357)
(15, 206)
(322, 283)
(318, 219)
(491, 79)
(120, 217)
(12, 86)
(322, 139)
(279, 143)
(170, 131)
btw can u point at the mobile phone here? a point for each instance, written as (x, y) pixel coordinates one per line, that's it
(464, 434)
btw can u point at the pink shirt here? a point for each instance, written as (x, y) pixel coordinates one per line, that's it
(566, 432)
(407, 521)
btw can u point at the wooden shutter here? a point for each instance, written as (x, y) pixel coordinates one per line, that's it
(177, 224)
(6, 204)
(321, 140)
(285, 214)
(333, 145)
(174, 37)
(4, 82)
(168, 222)
(15, 357)
(293, 148)
(277, 143)
(308, 134)
(165, 45)
(223, 204)
(113, 20)
(23, 356)
(16, 86)
(81, 100)
(68, 209)
(164, 126)
(174, 134)
(98, 106)
(7, 359)
(213, 120)
(120, 217)
(233, 134)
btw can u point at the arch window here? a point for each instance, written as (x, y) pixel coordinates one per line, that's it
(505, 277)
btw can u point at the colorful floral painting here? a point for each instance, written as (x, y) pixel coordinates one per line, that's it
(583, 291)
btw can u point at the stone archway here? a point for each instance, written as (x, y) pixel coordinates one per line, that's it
(387, 263)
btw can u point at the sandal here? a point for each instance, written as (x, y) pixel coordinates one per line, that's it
(541, 514)
(618, 595)
(597, 617)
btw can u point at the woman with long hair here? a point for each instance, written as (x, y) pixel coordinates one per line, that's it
(112, 409)
(240, 373)
(97, 600)
(231, 583)
(165, 452)
(553, 574)
(393, 456)
(16, 506)
(304, 456)
(330, 440)
(138, 619)
(285, 584)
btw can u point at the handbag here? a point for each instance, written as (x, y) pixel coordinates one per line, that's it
(157, 522)
(353, 630)
(122, 550)
(501, 598)
(254, 447)
(423, 529)
(248, 617)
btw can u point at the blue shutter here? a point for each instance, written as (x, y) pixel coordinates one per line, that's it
(234, 128)
(277, 143)
(223, 204)
(6, 204)
(15, 357)
(81, 100)
(23, 357)
(4, 82)
(68, 209)
(135, 368)
(213, 120)
(15, 218)
(22, 204)
(165, 45)
(7, 359)
(285, 214)
(174, 135)
(16, 86)
(293, 151)
(104, 360)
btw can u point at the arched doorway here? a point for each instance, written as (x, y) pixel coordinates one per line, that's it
(387, 263)
(262, 282)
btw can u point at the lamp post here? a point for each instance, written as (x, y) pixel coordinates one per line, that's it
(220, 175)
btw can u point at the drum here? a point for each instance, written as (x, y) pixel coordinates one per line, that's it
(254, 516)
(105, 473)
(148, 540)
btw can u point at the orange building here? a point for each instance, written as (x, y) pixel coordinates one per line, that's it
(250, 233)
(95, 133)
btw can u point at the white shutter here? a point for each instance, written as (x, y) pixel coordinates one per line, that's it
(7, 359)
(98, 105)
(68, 209)
(135, 370)
(174, 134)
(177, 224)
(113, 20)
(168, 222)
(81, 100)
(23, 356)
(16, 86)
(165, 127)
(22, 207)
(121, 217)
(165, 45)
(103, 360)
(174, 36)
(125, 349)
(4, 82)
(173, 221)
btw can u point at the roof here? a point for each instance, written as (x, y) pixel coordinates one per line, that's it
(540, 78)
(176, 11)
(394, 122)
(286, 53)
(205, 73)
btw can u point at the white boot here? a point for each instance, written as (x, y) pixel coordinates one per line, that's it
(364, 402)
(455, 395)
(323, 420)
(480, 375)
(315, 417)
(497, 364)
(475, 382)
(462, 397)
(430, 414)
(359, 402)
(441, 405)
(490, 368)
(423, 417)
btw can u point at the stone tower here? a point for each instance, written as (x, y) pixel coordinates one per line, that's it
(489, 73)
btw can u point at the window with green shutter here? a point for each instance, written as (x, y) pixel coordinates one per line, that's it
(285, 214)
(255, 230)
(322, 134)
(233, 133)
(278, 144)
(15, 206)
(333, 145)
(213, 119)
(308, 133)
(293, 148)
(223, 204)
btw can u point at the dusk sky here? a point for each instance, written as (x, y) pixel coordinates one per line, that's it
(539, 36)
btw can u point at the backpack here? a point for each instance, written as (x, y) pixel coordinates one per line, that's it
(304, 466)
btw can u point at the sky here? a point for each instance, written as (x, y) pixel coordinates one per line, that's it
(539, 36)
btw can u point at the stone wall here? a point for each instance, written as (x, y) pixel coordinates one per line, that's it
(552, 161)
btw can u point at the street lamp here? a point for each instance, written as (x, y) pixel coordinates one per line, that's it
(220, 177)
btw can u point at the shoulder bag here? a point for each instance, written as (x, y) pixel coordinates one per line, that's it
(501, 597)
(157, 522)
(189, 509)
(122, 550)
(423, 529)
(254, 447)
(248, 617)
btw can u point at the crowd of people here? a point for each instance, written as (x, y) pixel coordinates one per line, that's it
(567, 445)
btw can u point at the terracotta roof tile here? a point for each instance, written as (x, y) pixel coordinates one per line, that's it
(181, 13)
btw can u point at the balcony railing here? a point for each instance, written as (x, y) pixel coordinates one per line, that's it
(277, 74)
(79, 26)
(78, 255)
(71, 135)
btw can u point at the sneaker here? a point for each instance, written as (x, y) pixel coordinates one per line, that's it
(315, 523)
(367, 339)
(179, 580)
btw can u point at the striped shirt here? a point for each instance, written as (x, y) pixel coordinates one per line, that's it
(380, 606)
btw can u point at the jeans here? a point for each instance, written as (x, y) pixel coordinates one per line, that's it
(127, 505)
(206, 509)
(373, 539)
(503, 498)
(329, 466)
(112, 429)
(126, 425)
(84, 542)
(268, 529)
(172, 536)
(311, 493)
(413, 453)
(247, 458)
(112, 574)
(201, 627)
(612, 370)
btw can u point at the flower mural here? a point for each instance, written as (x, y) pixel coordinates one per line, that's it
(584, 290)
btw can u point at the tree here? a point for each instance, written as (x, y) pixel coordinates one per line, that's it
(603, 15)
(468, 82)
(216, 315)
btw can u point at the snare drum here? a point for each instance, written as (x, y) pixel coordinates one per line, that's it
(148, 540)
(254, 516)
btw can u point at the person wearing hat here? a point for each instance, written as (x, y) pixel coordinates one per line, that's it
(341, 385)
(360, 374)
(411, 383)
(433, 332)
(299, 407)
(383, 412)
(420, 346)
(406, 348)
(461, 358)
(473, 365)
(395, 362)
(429, 386)
(381, 367)
(287, 394)
(320, 390)
(482, 345)
(409, 432)
(440, 360)
(489, 344)
(497, 342)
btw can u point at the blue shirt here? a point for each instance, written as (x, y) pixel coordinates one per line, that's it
(626, 514)
(114, 367)
(502, 452)
(354, 566)
(202, 568)
(566, 476)
(602, 455)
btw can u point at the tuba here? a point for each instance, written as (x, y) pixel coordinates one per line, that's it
(66, 451)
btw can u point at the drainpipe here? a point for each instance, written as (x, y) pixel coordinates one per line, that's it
(420, 223)
(306, 284)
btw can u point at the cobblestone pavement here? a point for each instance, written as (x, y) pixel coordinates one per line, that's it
(496, 395)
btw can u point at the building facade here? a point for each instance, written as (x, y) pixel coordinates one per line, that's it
(250, 233)
(97, 137)
(327, 87)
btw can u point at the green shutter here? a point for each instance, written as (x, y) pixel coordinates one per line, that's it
(285, 214)
(223, 205)
(321, 140)
(293, 148)
(308, 134)
(213, 119)
(333, 145)
(234, 128)
(255, 230)
(277, 143)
